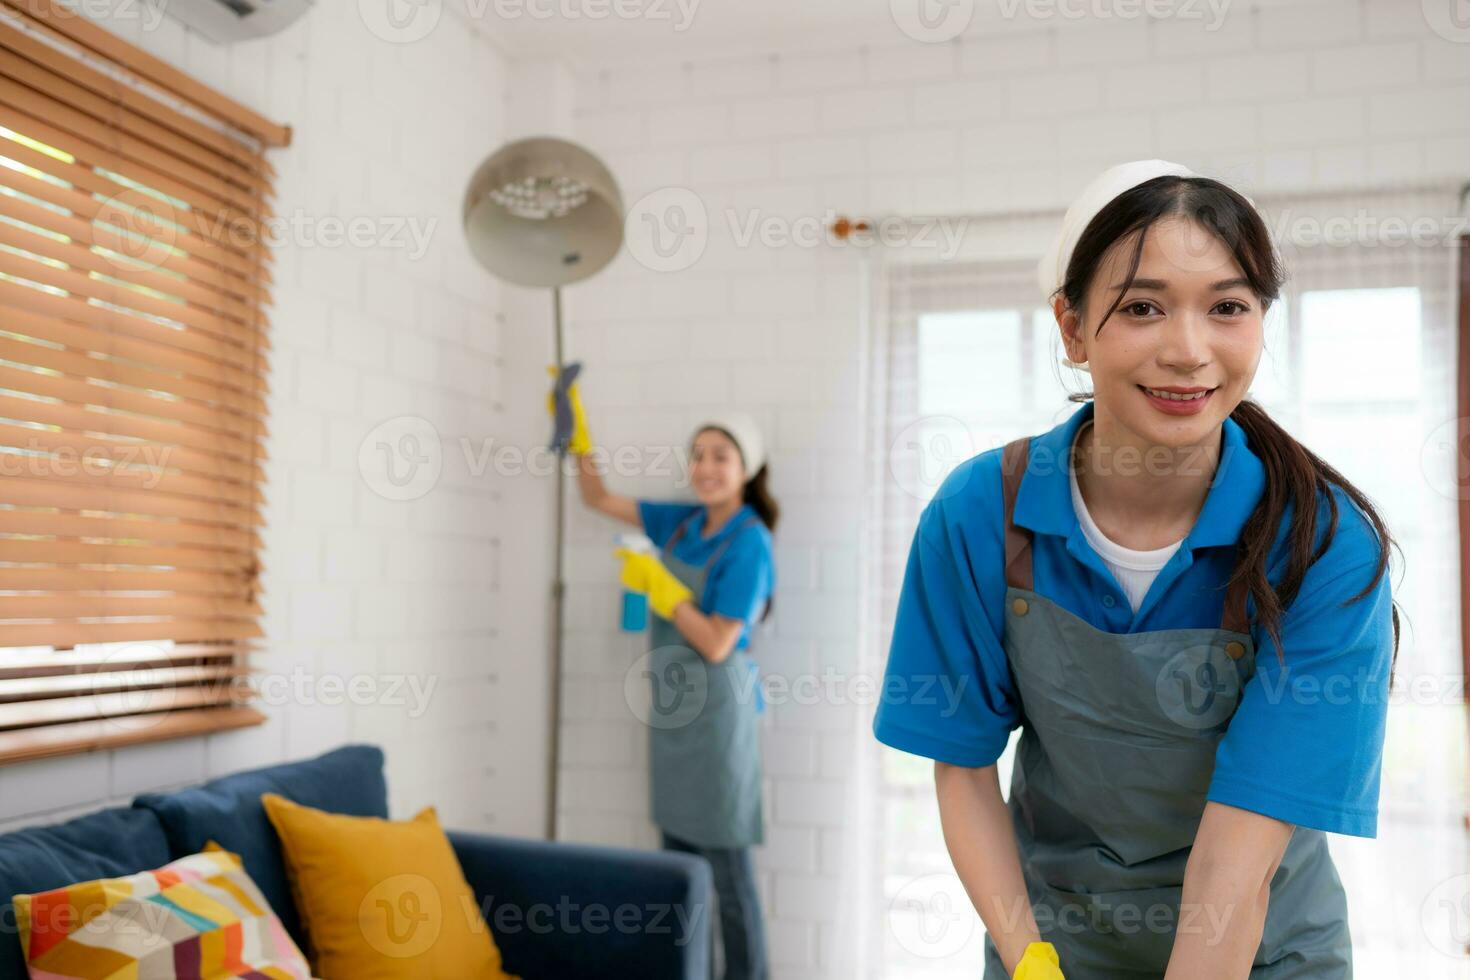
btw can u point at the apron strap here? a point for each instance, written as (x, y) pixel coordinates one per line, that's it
(1234, 617)
(709, 563)
(678, 532)
(726, 543)
(1018, 539)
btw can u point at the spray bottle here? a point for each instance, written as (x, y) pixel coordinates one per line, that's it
(635, 604)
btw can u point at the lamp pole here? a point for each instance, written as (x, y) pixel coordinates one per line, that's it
(558, 598)
(545, 212)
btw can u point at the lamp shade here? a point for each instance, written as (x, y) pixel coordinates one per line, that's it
(543, 212)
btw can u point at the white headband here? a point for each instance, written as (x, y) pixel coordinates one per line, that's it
(747, 436)
(1052, 268)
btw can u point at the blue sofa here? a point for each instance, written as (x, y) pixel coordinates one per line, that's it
(557, 910)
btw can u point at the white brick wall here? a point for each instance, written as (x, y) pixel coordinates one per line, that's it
(356, 584)
(1307, 96)
(1016, 118)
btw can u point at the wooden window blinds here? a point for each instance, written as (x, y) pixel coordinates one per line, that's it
(133, 363)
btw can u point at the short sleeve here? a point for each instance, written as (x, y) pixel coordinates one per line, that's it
(661, 517)
(742, 578)
(947, 691)
(1305, 746)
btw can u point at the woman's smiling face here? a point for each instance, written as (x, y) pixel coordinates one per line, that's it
(1189, 323)
(718, 472)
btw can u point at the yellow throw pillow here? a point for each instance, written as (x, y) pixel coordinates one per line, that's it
(382, 899)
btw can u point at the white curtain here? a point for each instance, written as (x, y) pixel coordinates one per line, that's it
(1362, 370)
(1359, 365)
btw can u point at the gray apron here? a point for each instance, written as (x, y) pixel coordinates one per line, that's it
(1115, 756)
(703, 742)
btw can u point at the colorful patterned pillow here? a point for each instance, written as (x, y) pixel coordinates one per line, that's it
(197, 918)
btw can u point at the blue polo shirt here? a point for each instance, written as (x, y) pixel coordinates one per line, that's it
(1305, 749)
(742, 580)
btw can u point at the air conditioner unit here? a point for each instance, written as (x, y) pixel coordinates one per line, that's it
(226, 21)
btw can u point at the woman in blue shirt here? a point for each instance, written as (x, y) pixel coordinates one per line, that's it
(712, 578)
(1202, 694)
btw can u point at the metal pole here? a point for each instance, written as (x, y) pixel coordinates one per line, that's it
(558, 591)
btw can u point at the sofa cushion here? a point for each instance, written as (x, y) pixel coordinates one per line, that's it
(385, 899)
(106, 844)
(228, 810)
(199, 916)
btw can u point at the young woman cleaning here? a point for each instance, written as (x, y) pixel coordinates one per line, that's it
(1185, 611)
(707, 586)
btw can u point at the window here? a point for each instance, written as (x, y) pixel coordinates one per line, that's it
(981, 378)
(132, 391)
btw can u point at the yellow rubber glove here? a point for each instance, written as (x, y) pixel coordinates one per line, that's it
(580, 442)
(1039, 962)
(645, 573)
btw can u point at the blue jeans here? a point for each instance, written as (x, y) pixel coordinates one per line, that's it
(742, 932)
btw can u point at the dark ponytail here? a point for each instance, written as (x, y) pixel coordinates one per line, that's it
(1295, 476)
(757, 493)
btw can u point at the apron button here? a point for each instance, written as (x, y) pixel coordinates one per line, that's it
(1020, 606)
(1235, 649)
